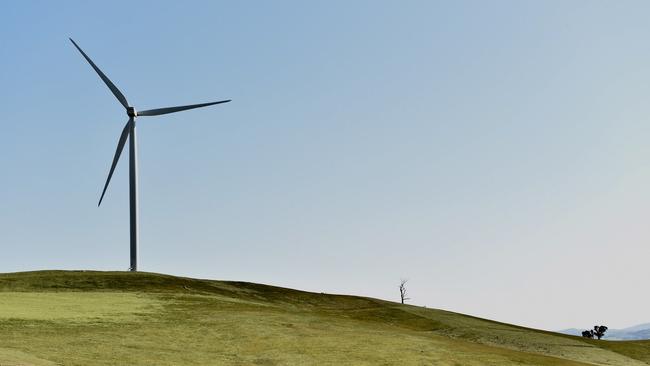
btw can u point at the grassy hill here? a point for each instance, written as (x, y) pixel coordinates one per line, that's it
(120, 318)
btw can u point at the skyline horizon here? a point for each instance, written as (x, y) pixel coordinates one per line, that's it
(395, 299)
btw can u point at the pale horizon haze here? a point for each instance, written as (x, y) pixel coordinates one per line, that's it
(496, 154)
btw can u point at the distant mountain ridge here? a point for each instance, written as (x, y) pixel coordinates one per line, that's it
(637, 332)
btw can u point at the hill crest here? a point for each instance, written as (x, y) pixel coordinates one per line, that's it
(229, 322)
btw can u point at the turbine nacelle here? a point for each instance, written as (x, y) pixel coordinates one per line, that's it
(131, 112)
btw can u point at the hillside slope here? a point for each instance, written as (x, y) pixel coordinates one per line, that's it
(118, 318)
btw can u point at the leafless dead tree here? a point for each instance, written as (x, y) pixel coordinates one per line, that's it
(402, 290)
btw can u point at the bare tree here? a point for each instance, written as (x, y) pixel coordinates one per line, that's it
(402, 290)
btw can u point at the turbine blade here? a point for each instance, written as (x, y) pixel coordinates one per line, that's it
(159, 111)
(118, 94)
(118, 152)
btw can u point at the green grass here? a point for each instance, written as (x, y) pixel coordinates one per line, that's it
(69, 306)
(117, 318)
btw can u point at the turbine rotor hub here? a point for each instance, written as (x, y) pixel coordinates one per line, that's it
(131, 112)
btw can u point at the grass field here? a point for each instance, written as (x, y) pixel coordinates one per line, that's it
(120, 318)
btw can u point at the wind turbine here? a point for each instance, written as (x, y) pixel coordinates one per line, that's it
(129, 132)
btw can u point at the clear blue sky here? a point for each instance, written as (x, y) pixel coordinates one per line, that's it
(495, 153)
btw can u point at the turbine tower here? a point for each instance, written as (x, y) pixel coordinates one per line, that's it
(129, 133)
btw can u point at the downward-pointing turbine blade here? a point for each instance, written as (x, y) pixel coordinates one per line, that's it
(118, 94)
(118, 152)
(156, 112)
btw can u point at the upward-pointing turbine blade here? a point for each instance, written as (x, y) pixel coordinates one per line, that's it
(118, 94)
(156, 112)
(118, 152)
